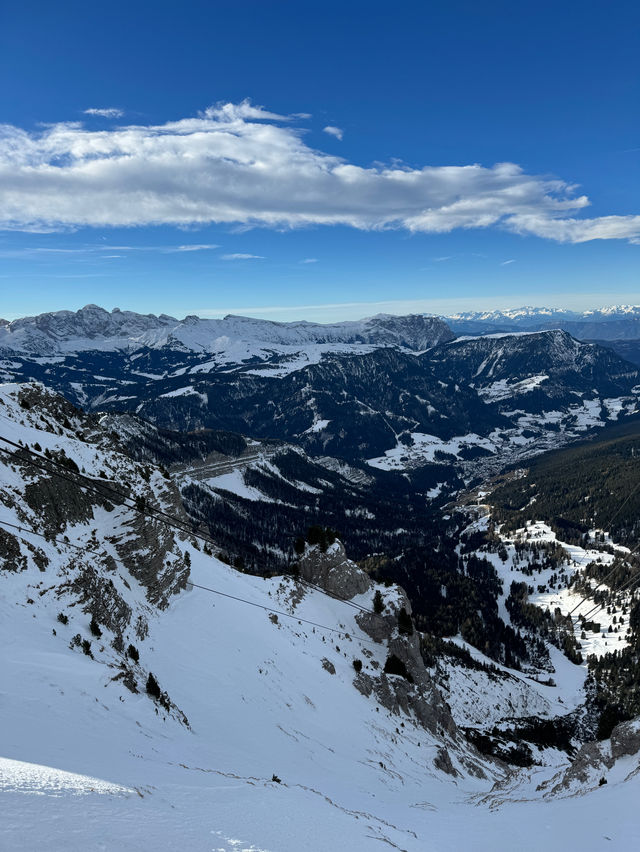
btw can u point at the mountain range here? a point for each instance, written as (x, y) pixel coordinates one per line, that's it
(397, 393)
(614, 326)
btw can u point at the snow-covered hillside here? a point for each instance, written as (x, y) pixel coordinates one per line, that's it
(262, 735)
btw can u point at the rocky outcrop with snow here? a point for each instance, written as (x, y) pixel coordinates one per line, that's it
(595, 762)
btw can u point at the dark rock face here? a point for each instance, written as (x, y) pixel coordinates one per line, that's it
(100, 598)
(147, 553)
(11, 557)
(333, 572)
(443, 762)
(413, 332)
(594, 759)
(625, 739)
(420, 698)
(328, 666)
(589, 758)
(59, 502)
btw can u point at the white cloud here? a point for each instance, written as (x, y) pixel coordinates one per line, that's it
(507, 262)
(333, 131)
(192, 247)
(242, 256)
(109, 112)
(240, 164)
(93, 249)
(309, 260)
(579, 230)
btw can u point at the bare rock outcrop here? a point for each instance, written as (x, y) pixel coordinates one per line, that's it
(333, 572)
(412, 695)
(625, 739)
(593, 761)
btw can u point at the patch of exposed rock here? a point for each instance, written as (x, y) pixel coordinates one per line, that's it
(58, 502)
(396, 693)
(333, 572)
(593, 761)
(625, 739)
(149, 555)
(11, 557)
(417, 697)
(101, 599)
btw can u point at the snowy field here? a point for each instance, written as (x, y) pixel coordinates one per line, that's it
(88, 765)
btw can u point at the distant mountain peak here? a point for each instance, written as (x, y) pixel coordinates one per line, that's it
(94, 328)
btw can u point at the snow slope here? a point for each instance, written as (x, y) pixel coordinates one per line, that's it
(259, 703)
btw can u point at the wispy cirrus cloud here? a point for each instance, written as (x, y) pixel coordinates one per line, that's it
(242, 165)
(189, 247)
(507, 262)
(98, 249)
(107, 112)
(192, 247)
(242, 256)
(309, 260)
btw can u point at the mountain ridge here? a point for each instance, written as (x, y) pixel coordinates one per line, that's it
(92, 327)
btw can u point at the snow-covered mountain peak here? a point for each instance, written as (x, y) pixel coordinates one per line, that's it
(606, 323)
(530, 312)
(93, 328)
(523, 313)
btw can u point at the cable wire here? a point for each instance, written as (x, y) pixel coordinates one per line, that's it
(164, 517)
(207, 589)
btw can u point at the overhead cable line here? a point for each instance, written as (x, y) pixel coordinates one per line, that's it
(45, 463)
(237, 598)
(597, 607)
(279, 612)
(602, 582)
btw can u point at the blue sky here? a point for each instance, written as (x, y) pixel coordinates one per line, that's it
(355, 169)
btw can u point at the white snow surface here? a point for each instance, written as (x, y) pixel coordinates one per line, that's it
(424, 447)
(259, 703)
